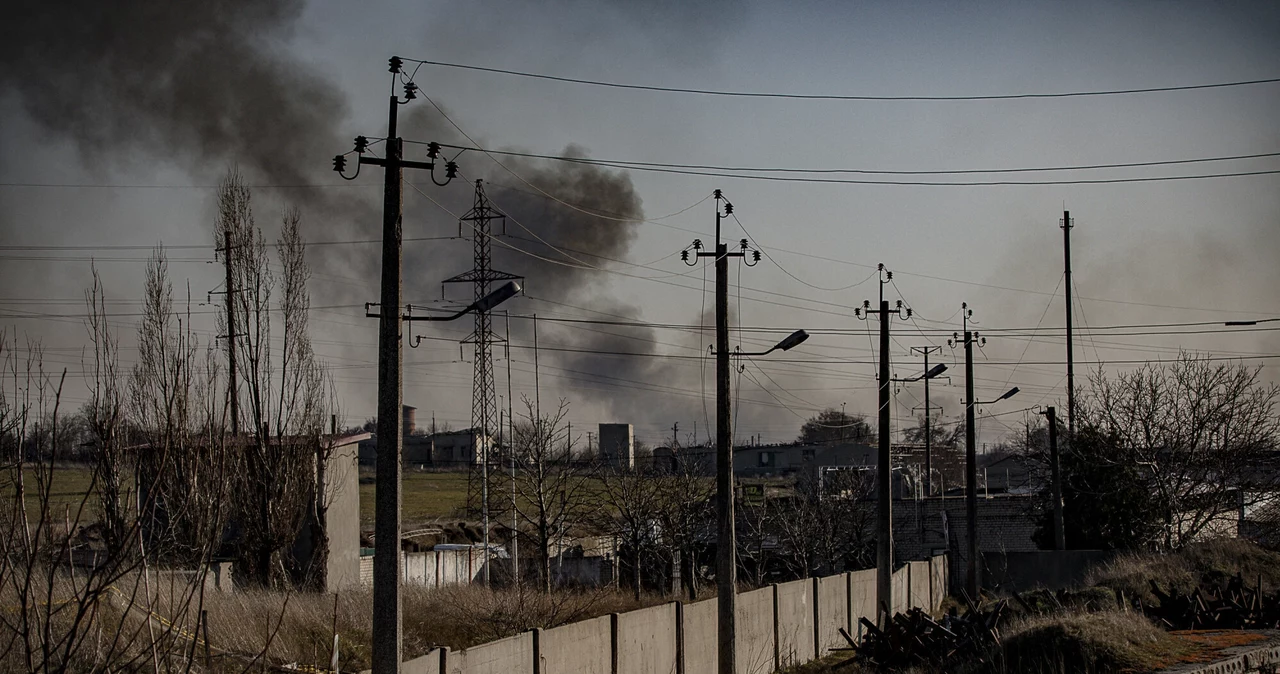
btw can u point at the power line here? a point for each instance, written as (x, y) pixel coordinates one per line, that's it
(842, 97)
(641, 165)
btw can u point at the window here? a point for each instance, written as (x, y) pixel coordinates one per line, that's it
(766, 459)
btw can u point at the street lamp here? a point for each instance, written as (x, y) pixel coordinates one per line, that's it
(931, 373)
(388, 575)
(793, 340)
(973, 583)
(726, 541)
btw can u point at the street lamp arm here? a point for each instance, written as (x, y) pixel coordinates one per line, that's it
(793, 340)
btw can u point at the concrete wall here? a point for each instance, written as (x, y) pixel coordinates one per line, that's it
(700, 633)
(434, 568)
(862, 593)
(342, 491)
(785, 625)
(795, 622)
(832, 600)
(755, 636)
(427, 664)
(513, 655)
(647, 641)
(577, 648)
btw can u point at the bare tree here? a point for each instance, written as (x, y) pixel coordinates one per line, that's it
(1202, 431)
(70, 602)
(633, 503)
(552, 490)
(285, 393)
(105, 411)
(825, 525)
(686, 515)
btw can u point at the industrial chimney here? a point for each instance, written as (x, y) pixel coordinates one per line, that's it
(410, 420)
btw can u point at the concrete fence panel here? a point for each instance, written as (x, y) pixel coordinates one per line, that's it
(513, 655)
(862, 598)
(755, 639)
(939, 569)
(700, 633)
(415, 564)
(832, 610)
(577, 648)
(647, 641)
(795, 622)
(901, 581)
(427, 664)
(918, 585)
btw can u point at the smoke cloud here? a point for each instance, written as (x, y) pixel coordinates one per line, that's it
(207, 85)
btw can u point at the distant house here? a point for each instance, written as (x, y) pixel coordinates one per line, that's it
(440, 450)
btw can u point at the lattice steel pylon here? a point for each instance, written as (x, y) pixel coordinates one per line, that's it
(484, 403)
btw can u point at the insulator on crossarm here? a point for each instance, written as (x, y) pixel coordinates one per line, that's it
(684, 255)
(743, 244)
(362, 144)
(697, 244)
(433, 149)
(451, 169)
(339, 163)
(395, 64)
(410, 91)
(755, 255)
(728, 208)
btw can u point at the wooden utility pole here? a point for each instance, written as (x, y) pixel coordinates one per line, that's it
(1055, 476)
(233, 392)
(1066, 225)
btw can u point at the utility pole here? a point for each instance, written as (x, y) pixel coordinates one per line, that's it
(970, 457)
(726, 550)
(387, 566)
(1066, 224)
(1055, 476)
(511, 433)
(928, 432)
(973, 581)
(233, 391)
(970, 469)
(388, 635)
(675, 434)
(884, 465)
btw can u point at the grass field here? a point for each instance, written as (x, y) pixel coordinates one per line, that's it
(425, 497)
(68, 485)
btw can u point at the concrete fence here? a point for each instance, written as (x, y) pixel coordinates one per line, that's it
(777, 626)
(434, 568)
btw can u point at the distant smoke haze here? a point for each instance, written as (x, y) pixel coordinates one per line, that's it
(208, 85)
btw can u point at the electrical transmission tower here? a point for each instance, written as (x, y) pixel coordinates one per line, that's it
(484, 400)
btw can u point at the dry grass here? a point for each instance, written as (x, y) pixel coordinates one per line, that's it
(1206, 563)
(1103, 642)
(298, 627)
(1075, 643)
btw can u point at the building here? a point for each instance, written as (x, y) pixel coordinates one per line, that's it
(790, 460)
(618, 445)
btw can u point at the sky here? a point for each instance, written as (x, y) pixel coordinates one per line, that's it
(112, 137)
